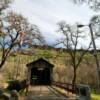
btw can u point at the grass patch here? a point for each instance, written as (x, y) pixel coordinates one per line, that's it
(95, 96)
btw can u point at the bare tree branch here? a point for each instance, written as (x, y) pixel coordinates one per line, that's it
(71, 42)
(93, 4)
(18, 32)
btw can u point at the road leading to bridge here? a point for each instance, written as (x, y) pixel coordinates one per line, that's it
(44, 93)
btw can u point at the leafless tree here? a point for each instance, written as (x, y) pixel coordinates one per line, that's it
(93, 4)
(71, 40)
(16, 32)
(4, 4)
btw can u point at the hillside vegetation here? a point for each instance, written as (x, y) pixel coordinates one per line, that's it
(15, 67)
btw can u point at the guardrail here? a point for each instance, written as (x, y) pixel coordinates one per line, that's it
(83, 91)
(66, 86)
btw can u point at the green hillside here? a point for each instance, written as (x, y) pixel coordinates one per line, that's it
(15, 67)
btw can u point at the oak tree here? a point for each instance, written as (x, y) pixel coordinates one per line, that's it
(15, 31)
(71, 41)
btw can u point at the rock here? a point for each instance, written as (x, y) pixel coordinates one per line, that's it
(14, 95)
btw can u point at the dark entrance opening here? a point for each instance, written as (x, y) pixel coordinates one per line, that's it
(40, 76)
(40, 72)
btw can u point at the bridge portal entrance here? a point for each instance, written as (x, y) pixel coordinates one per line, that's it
(40, 72)
(40, 76)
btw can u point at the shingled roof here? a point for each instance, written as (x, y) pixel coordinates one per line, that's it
(38, 60)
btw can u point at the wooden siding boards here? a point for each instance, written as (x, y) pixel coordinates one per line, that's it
(40, 63)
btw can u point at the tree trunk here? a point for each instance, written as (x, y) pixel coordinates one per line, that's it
(74, 79)
(2, 63)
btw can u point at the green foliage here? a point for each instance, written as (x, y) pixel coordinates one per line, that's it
(13, 85)
(27, 55)
(95, 96)
(34, 77)
(61, 60)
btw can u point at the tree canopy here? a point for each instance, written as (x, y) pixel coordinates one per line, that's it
(4, 4)
(71, 41)
(93, 4)
(16, 32)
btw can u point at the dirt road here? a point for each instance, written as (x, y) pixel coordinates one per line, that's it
(44, 93)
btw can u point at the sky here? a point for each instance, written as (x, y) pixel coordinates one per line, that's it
(47, 13)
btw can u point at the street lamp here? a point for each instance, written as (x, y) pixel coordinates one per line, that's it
(94, 46)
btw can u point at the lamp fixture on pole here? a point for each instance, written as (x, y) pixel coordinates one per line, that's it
(94, 47)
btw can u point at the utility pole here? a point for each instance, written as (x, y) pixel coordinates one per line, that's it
(94, 48)
(95, 52)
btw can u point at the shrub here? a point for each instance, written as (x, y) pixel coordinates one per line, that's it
(14, 85)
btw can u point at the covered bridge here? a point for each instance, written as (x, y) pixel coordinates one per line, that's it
(40, 72)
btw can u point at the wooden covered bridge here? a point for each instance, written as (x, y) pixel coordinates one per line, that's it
(40, 72)
(42, 86)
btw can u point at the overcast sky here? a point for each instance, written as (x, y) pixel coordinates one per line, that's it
(46, 14)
